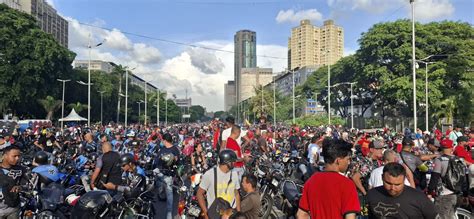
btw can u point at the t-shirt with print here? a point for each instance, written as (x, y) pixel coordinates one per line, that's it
(375, 179)
(227, 183)
(329, 195)
(410, 204)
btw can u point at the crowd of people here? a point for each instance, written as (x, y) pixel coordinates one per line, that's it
(355, 173)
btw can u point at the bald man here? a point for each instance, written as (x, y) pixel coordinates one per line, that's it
(107, 168)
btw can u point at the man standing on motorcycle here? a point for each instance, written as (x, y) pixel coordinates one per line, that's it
(12, 176)
(134, 182)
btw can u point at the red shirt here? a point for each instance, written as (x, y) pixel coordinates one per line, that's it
(460, 151)
(233, 145)
(217, 132)
(329, 195)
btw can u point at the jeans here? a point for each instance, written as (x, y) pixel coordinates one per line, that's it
(169, 196)
(446, 206)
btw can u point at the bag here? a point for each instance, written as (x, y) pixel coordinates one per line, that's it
(455, 176)
(219, 205)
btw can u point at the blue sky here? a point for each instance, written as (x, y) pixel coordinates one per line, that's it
(213, 23)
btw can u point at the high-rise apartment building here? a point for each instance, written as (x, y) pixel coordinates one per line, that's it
(46, 16)
(245, 56)
(254, 78)
(310, 45)
(229, 95)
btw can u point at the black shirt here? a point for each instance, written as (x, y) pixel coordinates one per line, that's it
(47, 142)
(13, 176)
(411, 204)
(161, 165)
(294, 142)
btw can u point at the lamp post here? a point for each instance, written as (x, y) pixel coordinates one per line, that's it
(101, 105)
(166, 109)
(126, 95)
(329, 86)
(413, 61)
(426, 89)
(118, 102)
(139, 112)
(158, 107)
(293, 91)
(62, 102)
(145, 101)
(89, 81)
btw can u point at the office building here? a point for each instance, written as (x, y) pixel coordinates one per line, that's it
(245, 56)
(229, 95)
(96, 65)
(315, 46)
(284, 80)
(253, 78)
(15, 4)
(47, 19)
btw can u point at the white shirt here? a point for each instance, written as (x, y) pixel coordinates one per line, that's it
(314, 149)
(375, 179)
(226, 135)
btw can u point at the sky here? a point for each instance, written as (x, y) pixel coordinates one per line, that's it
(154, 36)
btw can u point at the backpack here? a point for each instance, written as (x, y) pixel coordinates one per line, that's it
(455, 176)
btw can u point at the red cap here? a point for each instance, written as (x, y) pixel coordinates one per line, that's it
(446, 143)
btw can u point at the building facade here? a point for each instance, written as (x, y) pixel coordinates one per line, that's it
(309, 45)
(135, 80)
(253, 78)
(47, 18)
(245, 56)
(284, 80)
(15, 4)
(229, 95)
(96, 65)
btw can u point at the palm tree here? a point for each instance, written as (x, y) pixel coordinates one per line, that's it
(78, 107)
(445, 110)
(50, 105)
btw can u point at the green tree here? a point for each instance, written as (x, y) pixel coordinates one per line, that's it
(31, 61)
(197, 113)
(78, 107)
(50, 105)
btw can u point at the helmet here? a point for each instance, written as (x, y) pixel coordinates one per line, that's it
(92, 204)
(126, 159)
(69, 167)
(90, 149)
(93, 156)
(168, 159)
(41, 158)
(227, 157)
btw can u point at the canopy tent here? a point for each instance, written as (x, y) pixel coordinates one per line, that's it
(73, 116)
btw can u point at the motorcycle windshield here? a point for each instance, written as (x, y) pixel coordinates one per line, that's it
(51, 196)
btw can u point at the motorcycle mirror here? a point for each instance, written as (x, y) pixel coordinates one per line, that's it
(209, 154)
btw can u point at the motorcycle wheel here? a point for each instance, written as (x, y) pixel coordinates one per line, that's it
(267, 204)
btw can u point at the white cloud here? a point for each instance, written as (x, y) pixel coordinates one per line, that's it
(205, 60)
(349, 51)
(202, 72)
(295, 17)
(145, 54)
(425, 10)
(428, 10)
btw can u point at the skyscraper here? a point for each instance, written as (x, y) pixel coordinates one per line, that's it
(245, 56)
(309, 45)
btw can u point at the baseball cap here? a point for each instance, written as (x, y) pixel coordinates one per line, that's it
(446, 143)
(462, 138)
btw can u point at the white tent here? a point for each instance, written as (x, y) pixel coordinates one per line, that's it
(73, 116)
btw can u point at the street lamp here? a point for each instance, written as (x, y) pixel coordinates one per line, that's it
(158, 108)
(293, 88)
(329, 86)
(89, 81)
(62, 103)
(126, 94)
(426, 89)
(413, 61)
(139, 102)
(166, 109)
(274, 107)
(101, 105)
